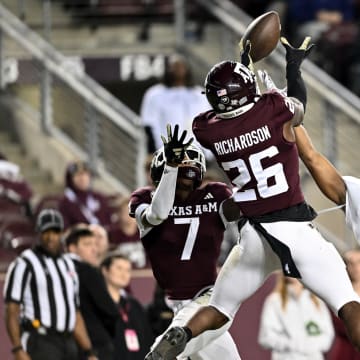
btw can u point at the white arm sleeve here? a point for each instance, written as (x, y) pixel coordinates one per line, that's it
(163, 198)
(353, 205)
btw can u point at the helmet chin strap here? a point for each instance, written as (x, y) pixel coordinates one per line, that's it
(234, 113)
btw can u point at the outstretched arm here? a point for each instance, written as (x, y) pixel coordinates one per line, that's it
(324, 173)
(164, 195)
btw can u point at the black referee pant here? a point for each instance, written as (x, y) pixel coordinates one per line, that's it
(52, 346)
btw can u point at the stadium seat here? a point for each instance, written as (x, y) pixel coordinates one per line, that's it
(8, 206)
(6, 257)
(50, 201)
(17, 234)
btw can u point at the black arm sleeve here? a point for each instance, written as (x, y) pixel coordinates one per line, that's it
(295, 84)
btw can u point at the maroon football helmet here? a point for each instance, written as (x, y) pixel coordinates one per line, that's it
(230, 85)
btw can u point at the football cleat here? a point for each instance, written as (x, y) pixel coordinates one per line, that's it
(172, 344)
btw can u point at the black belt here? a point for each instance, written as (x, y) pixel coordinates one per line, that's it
(300, 212)
(36, 326)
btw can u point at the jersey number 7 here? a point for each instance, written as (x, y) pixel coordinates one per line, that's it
(191, 236)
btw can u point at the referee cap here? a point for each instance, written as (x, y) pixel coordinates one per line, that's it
(49, 219)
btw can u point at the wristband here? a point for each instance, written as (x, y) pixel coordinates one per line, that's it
(15, 349)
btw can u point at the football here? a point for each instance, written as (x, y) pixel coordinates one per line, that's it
(263, 33)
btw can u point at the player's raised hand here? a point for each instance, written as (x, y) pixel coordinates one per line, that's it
(175, 146)
(295, 56)
(269, 84)
(245, 53)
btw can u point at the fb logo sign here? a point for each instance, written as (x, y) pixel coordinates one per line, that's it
(141, 67)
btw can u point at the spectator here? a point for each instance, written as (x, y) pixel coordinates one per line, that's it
(133, 333)
(314, 17)
(101, 241)
(294, 323)
(99, 313)
(147, 169)
(253, 7)
(342, 347)
(81, 204)
(15, 192)
(176, 99)
(124, 235)
(331, 25)
(42, 299)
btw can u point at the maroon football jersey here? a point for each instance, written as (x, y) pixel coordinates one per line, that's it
(254, 154)
(183, 250)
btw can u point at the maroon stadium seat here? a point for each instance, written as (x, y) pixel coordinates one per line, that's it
(8, 206)
(21, 229)
(6, 257)
(50, 201)
(16, 235)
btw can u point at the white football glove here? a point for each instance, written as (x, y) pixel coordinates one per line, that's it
(269, 84)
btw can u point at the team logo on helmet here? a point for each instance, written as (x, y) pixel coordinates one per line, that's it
(225, 99)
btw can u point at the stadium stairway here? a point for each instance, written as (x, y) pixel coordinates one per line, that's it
(39, 179)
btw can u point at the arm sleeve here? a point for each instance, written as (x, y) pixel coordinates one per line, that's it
(163, 198)
(353, 205)
(295, 84)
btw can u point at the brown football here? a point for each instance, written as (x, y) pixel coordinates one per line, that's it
(263, 33)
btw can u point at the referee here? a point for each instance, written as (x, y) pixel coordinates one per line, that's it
(42, 301)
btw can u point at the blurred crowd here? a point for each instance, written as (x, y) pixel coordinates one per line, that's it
(332, 24)
(102, 240)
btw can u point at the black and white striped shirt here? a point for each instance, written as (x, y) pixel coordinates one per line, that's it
(46, 287)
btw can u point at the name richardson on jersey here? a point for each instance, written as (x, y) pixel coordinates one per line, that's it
(198, 209)
(243, 141)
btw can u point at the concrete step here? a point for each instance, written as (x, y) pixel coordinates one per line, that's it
(40, 181)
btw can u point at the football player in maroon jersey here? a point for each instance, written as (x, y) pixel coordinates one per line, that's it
(252, 137)
(181, 227)
(343, 190)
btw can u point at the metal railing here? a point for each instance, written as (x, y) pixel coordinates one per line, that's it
(69, 101)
